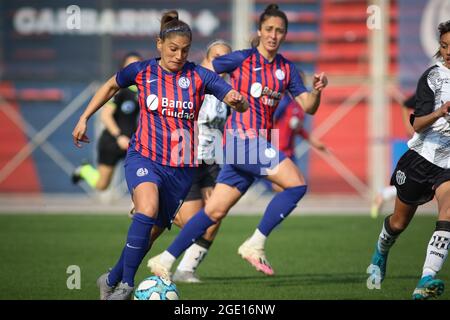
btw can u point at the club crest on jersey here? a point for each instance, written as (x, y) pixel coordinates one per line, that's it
(142, 172)
(400, 176)
(184, 83)
(280, 74)
(152, 102)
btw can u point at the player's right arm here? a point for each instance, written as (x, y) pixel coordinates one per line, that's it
(423, 122)
(123, 79)
(103, 95)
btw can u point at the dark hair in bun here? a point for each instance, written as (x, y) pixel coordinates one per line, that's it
(170, 24)
(272, 10)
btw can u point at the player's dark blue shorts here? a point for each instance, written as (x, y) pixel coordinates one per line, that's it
(247, 159)
(173, 183)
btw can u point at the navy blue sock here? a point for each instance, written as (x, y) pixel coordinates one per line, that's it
(191, 231)
(138, 243)
(116, 273)
(280, 207)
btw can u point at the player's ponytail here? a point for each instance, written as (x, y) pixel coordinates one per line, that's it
(170, 24)
(443, 28)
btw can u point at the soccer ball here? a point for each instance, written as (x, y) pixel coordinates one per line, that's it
(156, 288)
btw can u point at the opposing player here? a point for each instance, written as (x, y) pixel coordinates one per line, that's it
(423, 172)
(120, 120)
(161, 157)
(262, 75)
(389, 192)
(211, 121)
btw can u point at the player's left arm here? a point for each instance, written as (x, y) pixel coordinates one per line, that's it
(236, 101)
(218, 87)
(310, 101)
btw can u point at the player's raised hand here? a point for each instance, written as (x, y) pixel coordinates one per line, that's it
(79, 133)
(320, 81)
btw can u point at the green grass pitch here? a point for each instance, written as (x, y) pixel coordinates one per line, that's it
(314, 257)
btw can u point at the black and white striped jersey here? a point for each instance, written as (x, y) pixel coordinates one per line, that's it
(433, 90)
(211, 120)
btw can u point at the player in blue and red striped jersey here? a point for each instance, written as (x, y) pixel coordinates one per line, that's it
(160, 159)
(262, 76)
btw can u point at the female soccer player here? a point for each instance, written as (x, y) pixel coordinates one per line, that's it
(160, 159)
(262, 75)
(423, 172)
(120, 121)
(211, 121)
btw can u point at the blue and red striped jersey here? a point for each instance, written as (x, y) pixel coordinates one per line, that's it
(169, 105)
(262, 83)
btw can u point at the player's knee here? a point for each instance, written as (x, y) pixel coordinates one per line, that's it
(444, 213)
(398, 225)
(148, 209)
(215, 213)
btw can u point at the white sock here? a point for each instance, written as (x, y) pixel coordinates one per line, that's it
(386, 240)
(167, 259)
(257, 239)
(192, 258)
(437, 252)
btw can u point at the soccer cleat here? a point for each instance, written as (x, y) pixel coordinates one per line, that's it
(122, 292)
(185, 277)
(377, 204)
(378, 264)
(157, 268)
(256, 257)
(76, 175)
(105, 289)
(427, 288)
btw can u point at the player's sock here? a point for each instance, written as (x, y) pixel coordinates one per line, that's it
(257, 239)
(116, 273)
(90, 175)
(387, 237)
(194, 255)
(280, 207)
(138, 242)
(437, 250)
(191, 231)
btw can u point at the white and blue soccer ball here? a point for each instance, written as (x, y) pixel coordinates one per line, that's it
(156, 288)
